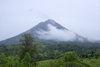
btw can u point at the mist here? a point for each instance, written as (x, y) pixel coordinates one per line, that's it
(56, 34)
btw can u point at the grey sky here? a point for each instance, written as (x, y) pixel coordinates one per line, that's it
(80, 16)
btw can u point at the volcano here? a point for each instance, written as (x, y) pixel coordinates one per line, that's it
(48, 30)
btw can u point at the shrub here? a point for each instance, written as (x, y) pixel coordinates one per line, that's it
(12, 61)
(70, 56)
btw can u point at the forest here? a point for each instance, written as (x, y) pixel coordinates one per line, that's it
(32, 54)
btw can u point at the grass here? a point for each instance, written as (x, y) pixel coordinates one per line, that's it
(42, 63)
(92, 62)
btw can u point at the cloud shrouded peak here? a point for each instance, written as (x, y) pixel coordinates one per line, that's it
(51, 30)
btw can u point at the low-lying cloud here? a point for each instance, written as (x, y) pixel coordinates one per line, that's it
(56, 34)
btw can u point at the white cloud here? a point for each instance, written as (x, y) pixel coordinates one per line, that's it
(55, 34)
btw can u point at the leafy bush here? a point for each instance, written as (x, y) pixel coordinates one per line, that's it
(70, 56)
(12, 61)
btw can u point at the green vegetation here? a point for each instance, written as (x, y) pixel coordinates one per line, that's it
(69, 59)
(30, 54)
(28, 50)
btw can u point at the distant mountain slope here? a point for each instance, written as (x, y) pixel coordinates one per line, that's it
(48, 30)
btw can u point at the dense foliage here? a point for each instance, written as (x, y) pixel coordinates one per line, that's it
(30, 54)
(48, 51)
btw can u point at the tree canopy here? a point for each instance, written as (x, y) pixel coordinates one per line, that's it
(28, 46)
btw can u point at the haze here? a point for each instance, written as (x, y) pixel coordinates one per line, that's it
(79, 16)
(56, 34)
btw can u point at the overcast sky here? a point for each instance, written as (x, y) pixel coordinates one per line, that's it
(80, 16)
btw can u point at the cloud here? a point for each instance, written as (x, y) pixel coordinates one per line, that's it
(56, 34)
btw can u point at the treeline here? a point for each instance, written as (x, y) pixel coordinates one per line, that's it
(48, 51)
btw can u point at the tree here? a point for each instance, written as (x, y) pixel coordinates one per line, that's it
(26, 61)
(57, 54)
(28, 46)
